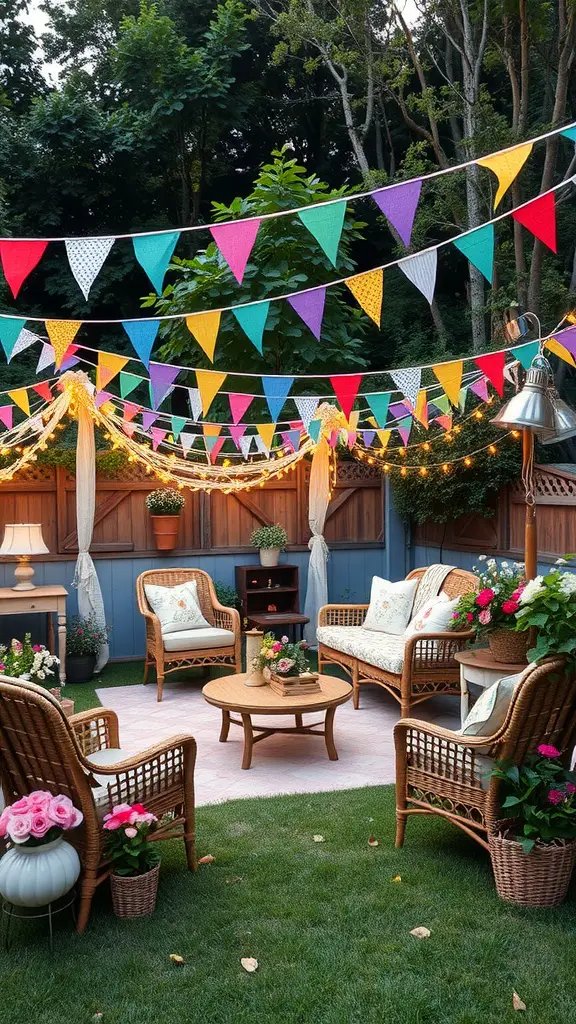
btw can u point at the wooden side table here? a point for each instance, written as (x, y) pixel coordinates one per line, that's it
(480, 668)
(48, 600)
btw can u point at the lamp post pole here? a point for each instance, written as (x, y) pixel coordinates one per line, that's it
(530, 528)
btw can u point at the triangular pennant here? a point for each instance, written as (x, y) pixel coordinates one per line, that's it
(154, 253)
(506, 166)
(131, 410)
(19, 259)
(162, 377)
(379, 403)
(261, 447)
(441, 402)
(567, 339)
(128, 383)
(252, 320)
(44, 390)
(463, 398)
(246, 444)
(449, 376)
(445, 421)
(554, 346)
(525, 353)
(24, 340)
(399, 409)
(128, 428)
(408, 382)
(209, 383)
(346, 389)
(178, 424)
(478, 247)
(325, 223)
(421, 410)
(236, 433)
(158, 436)
(211, 429)
(10, 328)
(334, 438)
(314, 428)
(368, 436)
(46, 358)
(492, 365)
(384, 437)
(86, 257)
(101, 398)
(69, 359)
(421, 271)
(398, 204)
(108, 366)
(310, 308)
(480, 388)
(142, 334)
(148, 418)
(7, 416)
(187, 442)
(404, 427)
(292, 439)
(204, 327)
(195, 402)
(266, 432)
(21, 399)
(569, 133)
(215, 445)
(236, 241)
(238, 405)
(352, 438)
(62, 334)
(367, 289)
(353, 419)
(539, 217)
(276, 390)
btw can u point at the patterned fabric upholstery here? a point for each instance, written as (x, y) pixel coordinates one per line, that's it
(383, 650)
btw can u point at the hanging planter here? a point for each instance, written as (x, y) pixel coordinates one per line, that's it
(165, 506)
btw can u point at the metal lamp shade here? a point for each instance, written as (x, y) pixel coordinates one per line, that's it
(564, 423)
(532, 406)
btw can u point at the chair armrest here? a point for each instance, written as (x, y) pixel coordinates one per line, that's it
(342, 614)
(183, 742)
(226, 618)
(405, 725)
(96, 729)
(435, 650)
(441, 752)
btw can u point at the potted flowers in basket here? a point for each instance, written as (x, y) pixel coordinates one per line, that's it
(39, 867)
(270, 540)
(83, 642)
(547, 605)
(492, 610)
(135, 860)
(25, 660)
(165, 506)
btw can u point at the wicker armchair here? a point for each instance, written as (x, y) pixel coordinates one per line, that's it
(216, 614)
(81, 757)
(442, 772)
(428, 665)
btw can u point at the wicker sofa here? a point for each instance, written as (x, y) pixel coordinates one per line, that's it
(411, 670)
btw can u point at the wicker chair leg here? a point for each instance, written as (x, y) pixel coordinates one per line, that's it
(355, 687)
(401, 817)
(190, 843)
(146, 667)
(159, 683)
(87, 890)
(405, 709)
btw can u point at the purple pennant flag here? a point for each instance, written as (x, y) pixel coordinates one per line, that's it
(148, 418)
(369, 436)
(310, 309)
(398, 204)
(101, 397)
(162, 377)
(568, 339)
(398, 410)
(480, 388)
(292, 438)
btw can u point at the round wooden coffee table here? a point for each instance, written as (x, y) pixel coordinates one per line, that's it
(230, 694)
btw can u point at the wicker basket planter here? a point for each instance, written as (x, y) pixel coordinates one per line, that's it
(135, 896)
(508, 646)
(536, 879)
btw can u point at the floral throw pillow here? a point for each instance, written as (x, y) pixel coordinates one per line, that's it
(390, 605)
(435, 616)
(176, 607)
(489, 712)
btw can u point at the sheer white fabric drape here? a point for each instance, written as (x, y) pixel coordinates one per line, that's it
(90, 601)
(317, 589)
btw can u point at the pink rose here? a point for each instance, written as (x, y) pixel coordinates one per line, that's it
(37, 647)
(145, 818)
(39, 801)
(556, 796)
(470, 617)
(547, 750)
(485, 617)
(277, 647)
(484, 597)
(509, 607)
(21, 806)
(41, 824)
(20, 827)
(285, 640)
(63, 813)
(130, 832)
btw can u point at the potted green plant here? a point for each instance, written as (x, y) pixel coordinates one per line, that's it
(491, 610)
(270, 540)
(25, 660)
(547, 604)
(84, 638)
(165, 506)
(135, 860)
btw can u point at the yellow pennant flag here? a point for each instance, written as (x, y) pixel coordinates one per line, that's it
(421, 410)
(211, 429)
(553, 345)
(62, 334)
(506, 167)
(209, 383)
(449, 375)
(368, 289)
(20, 398)
(204, 327)
(108, 367)
(353, 419)
(266, 431)
(384, 436)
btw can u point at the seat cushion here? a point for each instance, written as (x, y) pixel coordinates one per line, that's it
(176, 607)
(383, 650)
(198, 639)
(110, 792)
(390, 605)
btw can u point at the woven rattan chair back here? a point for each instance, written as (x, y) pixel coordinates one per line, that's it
(456, 583)
(173, 578)
(543, 710)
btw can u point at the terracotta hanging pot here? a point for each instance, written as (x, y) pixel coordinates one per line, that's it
(165, 530)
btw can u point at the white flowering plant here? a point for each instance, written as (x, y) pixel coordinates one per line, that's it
(25, 660)
(495, 603)
(548, 603)
(166, 501)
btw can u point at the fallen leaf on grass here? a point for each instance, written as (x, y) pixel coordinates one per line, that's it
(177, 959)
(208, 859)
(420, 933)
(234, 879)
(517, 1002)
(249, 963)
(318, 839)
(373, 842)
(397, 878)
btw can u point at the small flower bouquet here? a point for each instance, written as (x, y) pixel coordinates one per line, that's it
(282, 657)
(492, 610)
(135, 860)
(25, 660)
(38, 819)
(85, 637)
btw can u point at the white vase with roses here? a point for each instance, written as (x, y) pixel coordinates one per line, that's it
(39, 867)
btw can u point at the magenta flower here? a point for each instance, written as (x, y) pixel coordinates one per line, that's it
(484, 597)
(484, 617)
(556, 796)
(570, 788)
(548, 751)
(37, 647)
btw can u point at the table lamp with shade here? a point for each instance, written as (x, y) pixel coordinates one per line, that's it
(23, 540)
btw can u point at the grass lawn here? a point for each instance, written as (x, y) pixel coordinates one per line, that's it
(329, 928)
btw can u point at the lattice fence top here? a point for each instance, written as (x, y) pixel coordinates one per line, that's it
(551, 484)
(35, 472)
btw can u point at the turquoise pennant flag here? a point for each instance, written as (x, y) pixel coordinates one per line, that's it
(9, 331)
(128, 383)
(154, 253)
(142, 334)
(525, 353)
(178, 424)
(325, 223)
(252, 320)
(276, 390)
(569, 133)
(379, 404)
(478, 247)
(314, 428)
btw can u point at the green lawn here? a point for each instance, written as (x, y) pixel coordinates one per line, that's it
(329, 928)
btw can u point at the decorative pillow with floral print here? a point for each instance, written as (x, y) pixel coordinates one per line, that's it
(390, 605)
(176, 607)
(435, 616)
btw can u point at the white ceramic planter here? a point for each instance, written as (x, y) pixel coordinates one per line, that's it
(33, 876)
(269, 556)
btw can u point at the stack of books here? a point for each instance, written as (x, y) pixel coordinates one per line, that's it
(295, 686)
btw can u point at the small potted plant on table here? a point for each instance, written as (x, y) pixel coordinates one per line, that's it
(25, 660)
(84, 639)
(492, 610)
(165, 506)
(135, 860)
(270, 540)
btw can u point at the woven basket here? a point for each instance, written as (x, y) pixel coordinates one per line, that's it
(135, 896)
(508, 646)
(536, 879)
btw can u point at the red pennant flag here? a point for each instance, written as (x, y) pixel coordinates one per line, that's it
(44, 391)
(130, 411)
(19, 259)
(540, 218)
(346, 389)
(492, 366)
(445, 421)
(216, 449)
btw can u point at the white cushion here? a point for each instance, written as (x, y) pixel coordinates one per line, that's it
(111, 792)
(383, 650)
(390, 605)
(489, 712)
(435, 616)
(176, 607)
(198, 639)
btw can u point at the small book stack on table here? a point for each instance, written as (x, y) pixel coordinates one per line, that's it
(294, 686)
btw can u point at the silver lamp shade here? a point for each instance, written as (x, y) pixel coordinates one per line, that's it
(532, 406)
(564, 423)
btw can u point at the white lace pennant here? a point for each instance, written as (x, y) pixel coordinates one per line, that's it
(47, 358)
(86, 257)
(195, 402)
(408, 382)
(23, 341)
(306, 406)
(246, 444)
(421, 270)
(261, 447)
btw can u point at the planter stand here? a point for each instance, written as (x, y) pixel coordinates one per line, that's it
(11, 911)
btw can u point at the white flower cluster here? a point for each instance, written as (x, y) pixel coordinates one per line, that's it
(532, 589)
(567, 584)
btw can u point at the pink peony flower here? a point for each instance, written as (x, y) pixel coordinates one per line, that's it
(556, 796)
(484, 597)
(39, 801)
(570, 788)
(509, 607)
(285, 664)
(548, 751)
(285, 640)
(37, 647)
(19, 827)
(41, 824)
(277, 647)
(130, 832)
(485, 617)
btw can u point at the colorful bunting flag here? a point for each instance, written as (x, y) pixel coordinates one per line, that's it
(162, 377)
(62, 334)
(346, 389)
(266, 431)
(569, 133)
(7, 416)
(398, 204)
(128, 383)
(478, 247)
(310, 308)
(236, 433)
(567, 339)
(384, 437)
(554, 346)
(399, 409)
(154, 253)
(246, 444)
(24, 340)
(526, 353)
(209, 383)
(158, 436)
(86, 257)
(44, 390)
(368, 289)
(463, 398)
(441, 402)
(148, 418)
(291, 438)
(20, 398)
(276, 390)
(445, 421)
(506, 167)
(46, 358)
(108, 366)
(19, 257)
(235, 242)
(492, 365)
(187, 442)
(195, 402)
(252, 320)
(238, 406)
(325, 223)
(421, 410)
(131, 410)
(178, 424)
(368, 436)
(408, 382)
(142, 334)
(214, 445)
(404, 427)
(69, 360)
(10, 328)
(204, 328)
(101, 398)
(128, 428)
(379, 404)
(539, 217)
(306, 405)
(314, 428)
(480, 388)
(449, 376)
(421, 271)
(351, 439)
